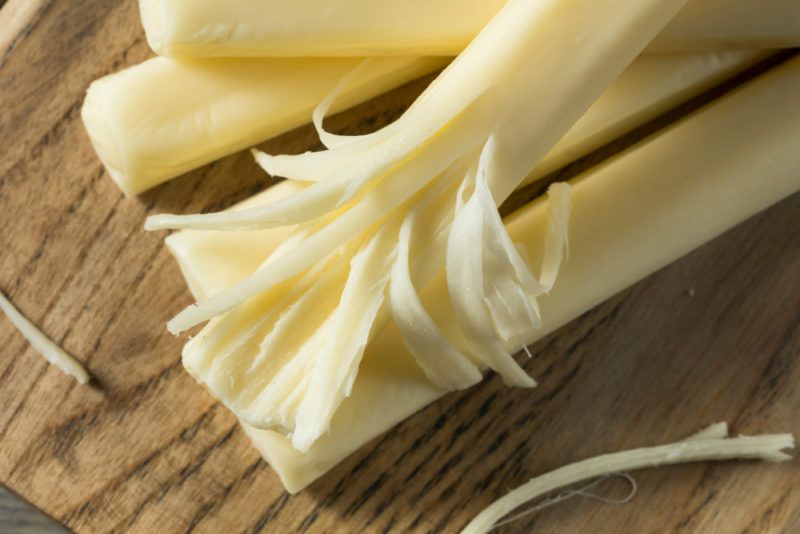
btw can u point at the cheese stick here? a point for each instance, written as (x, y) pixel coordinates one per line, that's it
(720, 24)
(652, 204)
(251, 28)
(162, 118)
(652, 85)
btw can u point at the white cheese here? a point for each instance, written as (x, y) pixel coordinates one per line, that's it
(228, 28)
(736, 158)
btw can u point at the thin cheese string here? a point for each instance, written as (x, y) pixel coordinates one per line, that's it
(580, 492)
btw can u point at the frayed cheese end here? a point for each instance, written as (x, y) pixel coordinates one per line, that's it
(712, 443)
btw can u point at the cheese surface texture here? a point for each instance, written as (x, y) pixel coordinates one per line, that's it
(652, 205)
(162, 118)
(653, 84)
(226, 28)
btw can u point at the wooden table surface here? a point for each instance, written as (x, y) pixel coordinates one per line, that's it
(713, 337)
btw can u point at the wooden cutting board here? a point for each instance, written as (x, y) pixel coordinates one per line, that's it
(713, 337)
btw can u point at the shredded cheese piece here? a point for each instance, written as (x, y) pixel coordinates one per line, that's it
(712, 443)
(43, 344)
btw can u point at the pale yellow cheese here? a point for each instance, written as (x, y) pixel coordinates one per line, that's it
(162, 118)
(217, 28)
(720, 24)
(712, 443)
(652, 85)
(630, 217)
(146, 135)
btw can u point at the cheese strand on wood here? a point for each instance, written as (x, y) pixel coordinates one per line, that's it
(43, 344)
(695, 449)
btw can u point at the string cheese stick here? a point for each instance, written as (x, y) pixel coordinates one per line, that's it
(162, 118)
(720, 24)
(653, 204)
(476, 116)
(43, 344)
(250, 28)
(695, 449)
(652, 85)
(146, 135)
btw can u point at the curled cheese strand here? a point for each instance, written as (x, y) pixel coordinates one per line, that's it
(331, 140)
(465, 283)
(441, 360)
(708, 445)
(336, 366)
(491, 287)
(405, 181)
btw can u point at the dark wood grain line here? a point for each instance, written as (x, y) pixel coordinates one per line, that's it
(121, 304)
(188, 471)
(760, 523)
(778, 368)
(439, 474)
(69, 431)
(433, 452)
(70, 115)
(12, 362)
(35, 150)
(271, 512)
(694, 512)
(183, 475)
(209, 507)
(186, 434)
(43, 365)
(366, 494)
(28, 267)
(338, 491)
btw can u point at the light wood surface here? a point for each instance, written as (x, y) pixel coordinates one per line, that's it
(713, 337)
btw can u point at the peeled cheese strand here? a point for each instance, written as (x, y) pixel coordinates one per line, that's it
(159, 119)
(150, 123)
(414, 155)
(650, 207)
(337, 364)
(476, 114)
(43, 344)
(444, 363)
(702, 448)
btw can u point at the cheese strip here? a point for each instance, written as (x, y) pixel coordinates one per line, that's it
(162, 118)
(652, 85)
(250, 28)
(719, 24)
(698, 448)
(146, 135)
(652, 205)
(45, 346)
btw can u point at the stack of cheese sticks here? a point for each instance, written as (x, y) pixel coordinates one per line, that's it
(379, 275)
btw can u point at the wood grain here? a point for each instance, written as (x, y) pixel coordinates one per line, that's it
(715, 336)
